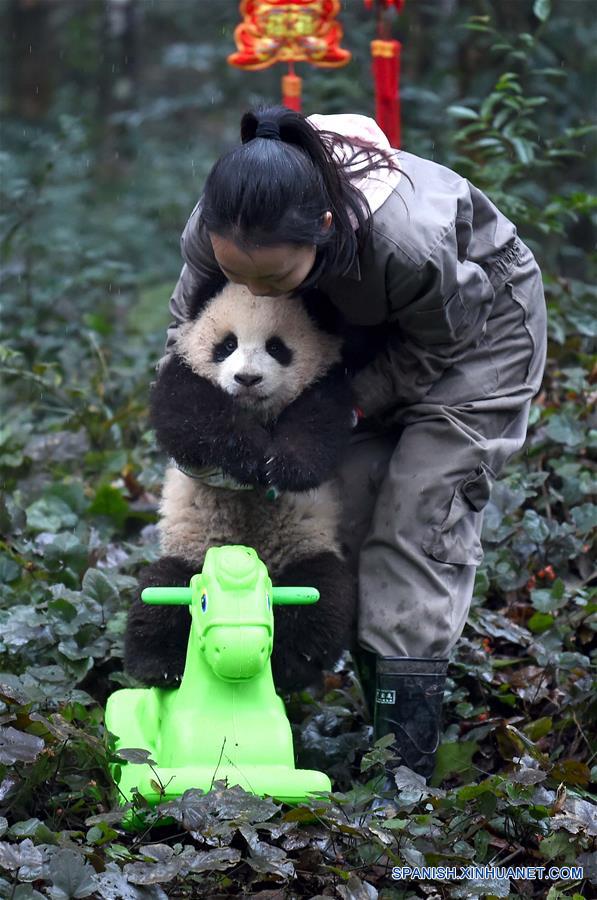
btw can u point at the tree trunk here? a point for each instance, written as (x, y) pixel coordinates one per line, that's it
(116, 83)
(31, 84)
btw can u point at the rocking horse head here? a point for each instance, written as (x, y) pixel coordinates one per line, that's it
(232, 613)
(231, 604)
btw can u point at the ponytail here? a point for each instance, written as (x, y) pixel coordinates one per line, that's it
(276, 187)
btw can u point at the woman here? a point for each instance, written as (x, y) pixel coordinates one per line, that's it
(447, 304)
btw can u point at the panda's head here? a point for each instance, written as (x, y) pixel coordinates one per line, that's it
(264, 351)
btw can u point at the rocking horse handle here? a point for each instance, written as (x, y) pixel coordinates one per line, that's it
(286, 596)
(181, 596)
(170, 596)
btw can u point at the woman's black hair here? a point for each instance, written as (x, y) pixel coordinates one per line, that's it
(277, 185)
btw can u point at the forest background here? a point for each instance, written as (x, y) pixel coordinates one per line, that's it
(112, 113)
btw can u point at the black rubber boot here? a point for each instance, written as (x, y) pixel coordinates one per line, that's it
(409, 694)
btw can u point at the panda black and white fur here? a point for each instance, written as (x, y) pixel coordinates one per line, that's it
(253, 402)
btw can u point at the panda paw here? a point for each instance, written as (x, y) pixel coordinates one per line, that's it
(246, 471)
(284, 474)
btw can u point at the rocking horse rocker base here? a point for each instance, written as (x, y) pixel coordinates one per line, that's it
(225, 721)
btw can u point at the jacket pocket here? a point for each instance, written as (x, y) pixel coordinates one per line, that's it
(457, 538)
(522, 301)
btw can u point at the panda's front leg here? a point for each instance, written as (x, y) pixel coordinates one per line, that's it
(198, 424)
(311, 638)
(156, 637)
(310, 434)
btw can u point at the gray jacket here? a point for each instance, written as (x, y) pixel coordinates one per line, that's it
(426, 270)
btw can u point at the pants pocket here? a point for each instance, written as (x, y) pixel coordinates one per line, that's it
(457, 538)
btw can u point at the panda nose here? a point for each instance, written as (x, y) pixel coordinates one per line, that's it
(248, 380)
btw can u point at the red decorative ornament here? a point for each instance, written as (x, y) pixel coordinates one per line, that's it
(289, 31)
(386, 76)
(385, 4)
(385, 54)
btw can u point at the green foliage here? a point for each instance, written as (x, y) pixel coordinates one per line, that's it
(502, 148)
(88, 247)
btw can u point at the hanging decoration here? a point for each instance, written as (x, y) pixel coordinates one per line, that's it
(385, 53)
(289, 31)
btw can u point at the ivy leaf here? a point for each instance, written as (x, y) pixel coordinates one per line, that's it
(547, 600)
(355, 889)
(9, 569)
(239, 805)
(100, 587)
(137, 756)
(19, 746)
(536, 526)
(164, 866)
(26, 828)
(113, 817)
(495, 625)
(565, 429)
(26, 892)
(579, 816)
(109, 502)
(380, 754)
(413, 856)
(65, 549)
(412, 787)
(483, 887)
(24, 859)
(71, 876)
(585, 517)
(453, 758)
(113, 885)
(265, 858)
(191, 810)
(558, 845)
(217, 860)
(526, 775)
(540, 622)
(584, 322)
(50, 514)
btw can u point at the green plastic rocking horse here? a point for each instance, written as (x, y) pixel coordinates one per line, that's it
(225, 721)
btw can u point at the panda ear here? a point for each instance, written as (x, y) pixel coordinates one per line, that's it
(203, 293)
(322, 311)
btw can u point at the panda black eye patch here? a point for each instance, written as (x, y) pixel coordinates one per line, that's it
(224, 348)
(276, 348)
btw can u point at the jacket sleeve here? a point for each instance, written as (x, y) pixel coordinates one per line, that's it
(437, 312)
(199, 267)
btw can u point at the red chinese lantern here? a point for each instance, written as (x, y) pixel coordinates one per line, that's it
(289, 31)
(385, 53)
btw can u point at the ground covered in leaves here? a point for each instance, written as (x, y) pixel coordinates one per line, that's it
(84, 324)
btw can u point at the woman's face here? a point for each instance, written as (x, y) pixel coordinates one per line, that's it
(265, 271)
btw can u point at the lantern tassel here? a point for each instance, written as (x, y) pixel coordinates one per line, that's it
(386, 75)
(291, 91)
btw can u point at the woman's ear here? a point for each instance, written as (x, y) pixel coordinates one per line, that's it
(327, 220)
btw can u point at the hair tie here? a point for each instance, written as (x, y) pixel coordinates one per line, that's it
(268, 129)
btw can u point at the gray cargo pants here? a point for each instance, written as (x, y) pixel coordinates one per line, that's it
(413, 496)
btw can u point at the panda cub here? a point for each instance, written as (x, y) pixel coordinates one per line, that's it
(254, 408)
